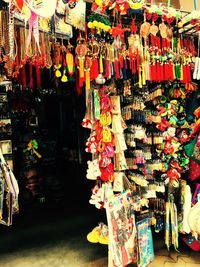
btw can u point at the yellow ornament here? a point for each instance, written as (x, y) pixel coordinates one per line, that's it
(100, 25)
(57, 71)
(95, 23)
(64, 77)
(105, 28)
(137, 5)
(90, 25)
(99, 2)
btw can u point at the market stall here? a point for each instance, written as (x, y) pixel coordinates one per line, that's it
(138, 65)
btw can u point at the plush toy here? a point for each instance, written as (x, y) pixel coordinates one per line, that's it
(107, 173)
(93, 171)
(173, 174)
(97, 197)
(163, 125)
(122, 6)
(91, 143)
(169, 133)
(86, 123)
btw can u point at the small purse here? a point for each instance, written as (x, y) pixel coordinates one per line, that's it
(194, 172)
(192, 150)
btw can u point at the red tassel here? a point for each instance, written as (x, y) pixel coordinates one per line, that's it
(78, 87)
(38, 76)
(94, 69)
(184, 77)
(170, 72)
(161, 72)
(23, 77)
(107, 66)
(117, 72)
(158, 43)
(121, 62)
(185, 74)
(189, 78)
(131, 64)
(134, 66)
(156, 72)
(165, 71)
(31, 76)
(152, 71)
(81, 81)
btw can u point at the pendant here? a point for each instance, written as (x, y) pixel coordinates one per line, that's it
(145, 29)
(169, 33)
(163, 30)
(153, 29)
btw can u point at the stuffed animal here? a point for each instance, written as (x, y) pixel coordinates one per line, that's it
(91, 143)
(93, 171)
(97, 197)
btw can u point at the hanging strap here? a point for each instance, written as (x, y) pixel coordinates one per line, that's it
(195, 4)
(167, 225)
(174, 225)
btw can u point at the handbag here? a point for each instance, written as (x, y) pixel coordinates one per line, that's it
(194, 172)
(192, 150)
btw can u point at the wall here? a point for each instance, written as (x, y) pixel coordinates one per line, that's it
(188, 5)
(174, 3)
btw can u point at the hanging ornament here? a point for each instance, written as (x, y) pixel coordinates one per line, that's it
(145, 28)
(70, 63)
(136, 4)
(64, 76)
(122, 6)
(153, 29)
(169, 33)
(88, 64)
(57, 60)
(163, 29)
(64, 65)
(81, 50)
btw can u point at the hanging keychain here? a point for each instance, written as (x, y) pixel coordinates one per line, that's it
(64, 78)
(58, 60)
(81, 51)
(70, 60)
(88, 64)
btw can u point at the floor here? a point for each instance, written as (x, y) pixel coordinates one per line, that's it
(51, 239)
(54, 234)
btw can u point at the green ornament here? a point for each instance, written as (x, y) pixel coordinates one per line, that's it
(34, 143)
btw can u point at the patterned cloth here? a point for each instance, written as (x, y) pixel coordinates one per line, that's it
(122, 231)
(145, 243)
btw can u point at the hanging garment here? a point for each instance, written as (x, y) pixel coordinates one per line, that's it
(145, 243)
(171, 225)
(185, 228)
(11, 191)
(122, 231)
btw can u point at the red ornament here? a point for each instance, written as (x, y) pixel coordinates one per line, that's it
(173, 174)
